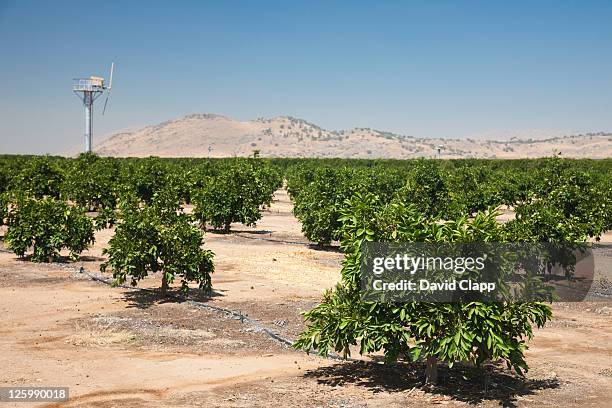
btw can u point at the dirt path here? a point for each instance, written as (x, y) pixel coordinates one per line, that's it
(127, 348)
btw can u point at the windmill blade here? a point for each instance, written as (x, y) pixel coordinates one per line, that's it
(105, 102)
(110, 80)
(109, 87)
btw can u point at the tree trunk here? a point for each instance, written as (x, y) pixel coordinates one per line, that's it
(164, 285)
(431, 372)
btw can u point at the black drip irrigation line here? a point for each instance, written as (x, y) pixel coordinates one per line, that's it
(236, 315)
(280, 241)
(271, 240)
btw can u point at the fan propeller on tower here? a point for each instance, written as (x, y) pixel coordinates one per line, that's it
(110, 84)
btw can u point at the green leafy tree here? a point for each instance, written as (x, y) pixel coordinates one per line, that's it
(470, 186)
(320, 194)
(427, 189)
(40, 177)
(511, 187)
(5, 177)
(449, 332)
(3, 207)
(47, 226)
(158, 237)
(235, 194)
(146, 177)
(92, 182)
(319, 204)
(566, 204)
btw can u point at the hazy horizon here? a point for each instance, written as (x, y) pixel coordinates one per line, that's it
(444, 69)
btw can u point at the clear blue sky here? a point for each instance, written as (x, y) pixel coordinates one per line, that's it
(426, 68)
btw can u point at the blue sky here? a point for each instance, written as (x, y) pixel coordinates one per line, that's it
(423, 68)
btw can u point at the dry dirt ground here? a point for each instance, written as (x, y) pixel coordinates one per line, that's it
(117, 347)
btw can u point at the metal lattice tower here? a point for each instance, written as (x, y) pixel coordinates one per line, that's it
(88, 90)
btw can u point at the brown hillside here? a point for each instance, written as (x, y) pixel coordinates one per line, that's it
(209, 135)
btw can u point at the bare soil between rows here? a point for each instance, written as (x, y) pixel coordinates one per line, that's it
(117, 347)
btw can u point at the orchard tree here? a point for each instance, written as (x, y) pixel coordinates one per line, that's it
(450, 332)
(40, 177)
(319, 203)
(320, 194)
(470, 186)
(92, 182)
(235, 194)
(566, 204)
(158, 237)
(145, 177)
(3, 207)
(5, 177)
(298, 177)
(47, 226)
(427, 189)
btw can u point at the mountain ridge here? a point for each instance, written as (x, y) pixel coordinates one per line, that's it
(214, 135)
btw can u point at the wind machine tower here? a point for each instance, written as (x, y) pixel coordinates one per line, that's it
(88, 90)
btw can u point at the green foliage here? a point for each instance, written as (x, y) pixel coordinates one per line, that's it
(40, 177)
(510, 188)
(3, 207)
(158, 237)
(47, 226)
(577, 193)
(566, 204)
(472, 188)
(555, 200)
(146, 177)
(451, 332)
(318, 205)
(91, 182)
(5, 177)
(427, 189)
(235, 194)
(320, 194)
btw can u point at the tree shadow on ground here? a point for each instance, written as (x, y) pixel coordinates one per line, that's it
(463, 383)
(325, 248)
(217, 231)
(90, 258)
(62, 259)
(221, 231)
(253, 232)
(143, 299)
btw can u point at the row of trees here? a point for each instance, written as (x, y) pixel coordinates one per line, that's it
(436, 202)
(575, 193)
(54, 204)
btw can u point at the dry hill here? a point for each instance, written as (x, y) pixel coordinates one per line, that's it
(208, 135)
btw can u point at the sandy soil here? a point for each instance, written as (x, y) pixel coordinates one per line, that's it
(117, 347)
